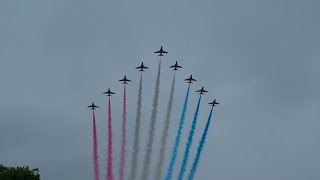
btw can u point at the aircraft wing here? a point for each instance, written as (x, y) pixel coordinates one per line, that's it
(201, 90)
(93, 106)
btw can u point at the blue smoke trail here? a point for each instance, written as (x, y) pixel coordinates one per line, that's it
(178, 137)
(200, 148)
(188, 146)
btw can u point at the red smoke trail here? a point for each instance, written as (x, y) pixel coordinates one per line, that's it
(123, 145)
(109, 158)
(95, 149)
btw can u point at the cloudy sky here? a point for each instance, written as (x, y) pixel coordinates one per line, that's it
(260, 59)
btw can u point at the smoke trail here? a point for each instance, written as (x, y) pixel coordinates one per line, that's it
(95, 149)
(165, 132)
(136, 148)
(123, 144)
(189, 143)
(200, 148)
(145, 172)
(178, 137)
(109, 158)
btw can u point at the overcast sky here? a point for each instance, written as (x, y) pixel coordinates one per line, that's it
(260, 59)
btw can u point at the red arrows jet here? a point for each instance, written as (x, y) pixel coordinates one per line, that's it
(93, 107)
(124, 80)
(141, 67)
(190, 79)
(160, 52)
(176, 66)
(201, 91)
(213, 103)
(109, 93)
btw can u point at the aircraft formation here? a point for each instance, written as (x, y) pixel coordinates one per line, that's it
(175, 67)
(136, 146)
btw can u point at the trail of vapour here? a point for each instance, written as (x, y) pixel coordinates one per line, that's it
(165, 133)
(147, 159)
(109, 157)
(178, 137)
(123, 144)
(189, 142)
(136, 148)
(95, 149)
(200, 148)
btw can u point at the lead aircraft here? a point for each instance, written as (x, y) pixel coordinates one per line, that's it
(161, 52)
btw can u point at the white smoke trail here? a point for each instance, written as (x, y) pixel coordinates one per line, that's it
(146, 162)
(136, 148)
(165, 133)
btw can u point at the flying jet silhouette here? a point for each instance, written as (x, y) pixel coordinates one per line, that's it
(124, 80)
(93, 107)
(141, 67)
(160, 52)
(176, 66)
(201, 91)
(190, 79)
(213, 103)
(109, 93)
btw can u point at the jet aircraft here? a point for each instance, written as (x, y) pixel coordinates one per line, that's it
(141, 67)
(124, 80)
(175, 66)
(93, 107)
(160, 52)
(201, 91)
(190, 79)
(213, 103)
(109, 93)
